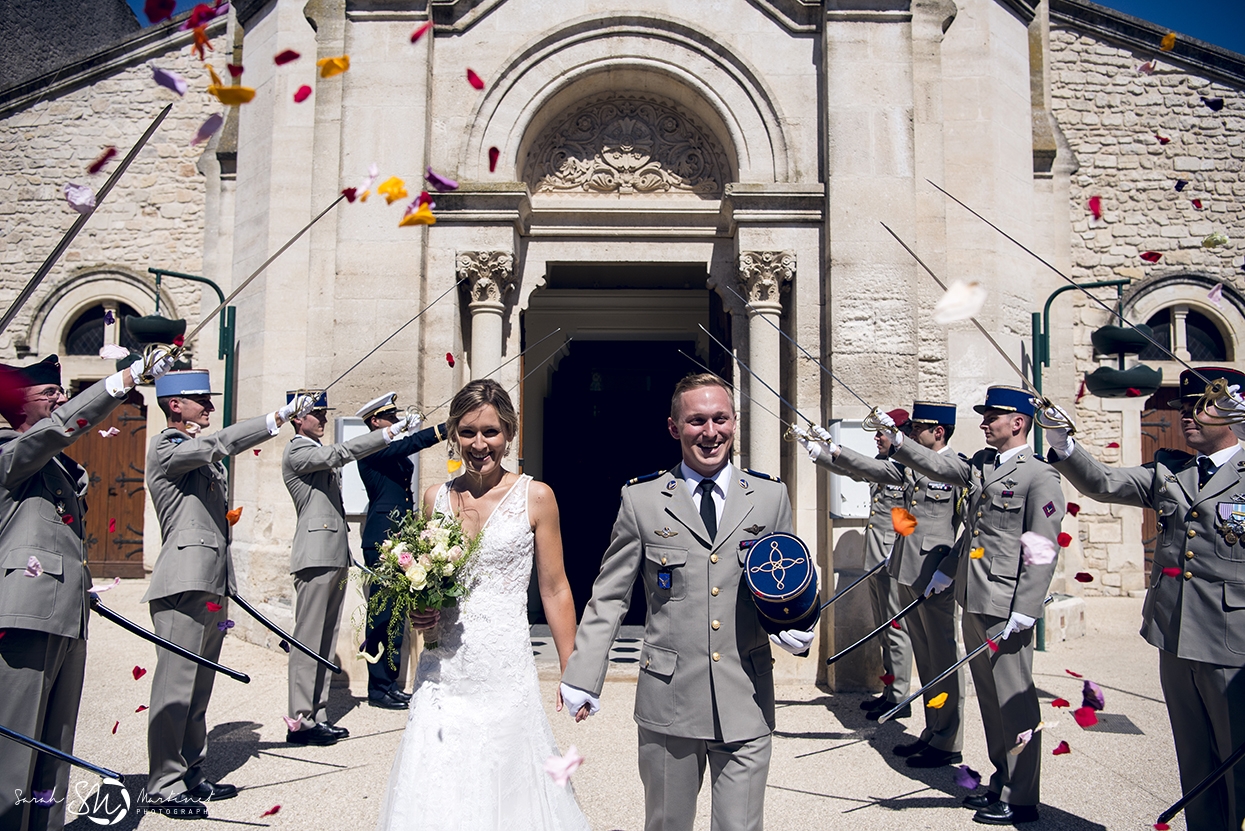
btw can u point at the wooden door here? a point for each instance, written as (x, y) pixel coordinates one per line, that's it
(116, 495)
(1160, 429)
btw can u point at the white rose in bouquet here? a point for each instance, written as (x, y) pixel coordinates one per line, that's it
(418, 575)
(454, 554)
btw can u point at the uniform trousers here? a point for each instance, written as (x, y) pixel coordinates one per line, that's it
(319, 593)
(1206, 706)
(896, 645)
(41, 676)
(381, 678)
(1009, 706)
(180, 691)
(672, 769)
(932, 630)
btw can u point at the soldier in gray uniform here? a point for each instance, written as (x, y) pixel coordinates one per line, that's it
(1195, 607)
(706, 690)
(320, 560)
(191, 582)
(1002, 593)
(44, 580)
(913, 565)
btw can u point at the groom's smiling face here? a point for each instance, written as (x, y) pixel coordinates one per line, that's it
(705, 428)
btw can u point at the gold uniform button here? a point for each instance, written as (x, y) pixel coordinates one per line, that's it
(870, 525)
(1188, 555)
(1194, 513)
(717, 624)
(647, 661)
(914, 502)
(663, 561)
(975, 533)
(1192, 533)
(1188, 575)
(713, 558)
(717, 657)
(714, 591)
(979, 514)
(325, 525)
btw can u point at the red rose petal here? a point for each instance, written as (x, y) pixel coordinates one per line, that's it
(887, 678)
(1197, 203)
(1084, 577)
(1161, 826)
(115, 725)
(1064, 539)
(141, 707)
(994, 647)
(67, 519)
(1061, 702)
(1151, 256)
(1074, 508)
(1114, 445)
(1162, 139)
(1171, 572)
(180, 340)
(1061, 749)
(1085, 716)
(493, 155)
(1080, 393)
(1074, 674)
(285, 57)
(112, 525)
(235, 69)
(255, 450)
(98, 164)
(1095, 206)
(419, 33)
(895, 625)
(213, 607)
(276, 808)
(351, 195)
(449, 358)
(138, 672)
(158, 10)
(302, 94)
(474, 79)
(1132, 392)
(82, 422)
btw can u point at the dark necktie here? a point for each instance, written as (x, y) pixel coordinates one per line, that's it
(1205, 469)
(708, 511)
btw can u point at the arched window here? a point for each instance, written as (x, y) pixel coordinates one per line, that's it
(86, 333)
(1193, 330)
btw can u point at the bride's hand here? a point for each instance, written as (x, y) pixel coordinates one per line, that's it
(425, 620)
(583, 713)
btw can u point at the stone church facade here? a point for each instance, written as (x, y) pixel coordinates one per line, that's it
(707, 178)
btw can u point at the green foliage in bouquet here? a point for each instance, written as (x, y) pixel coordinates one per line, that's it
(422, 567)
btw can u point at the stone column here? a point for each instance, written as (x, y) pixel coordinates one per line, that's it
(763, 274)
(490, 275)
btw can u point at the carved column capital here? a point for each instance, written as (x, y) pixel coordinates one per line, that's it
(764, 274)
(490, 275)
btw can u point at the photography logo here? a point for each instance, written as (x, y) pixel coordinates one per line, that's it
(105, 804)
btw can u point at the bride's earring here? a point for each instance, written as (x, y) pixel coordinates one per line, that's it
(453, 463)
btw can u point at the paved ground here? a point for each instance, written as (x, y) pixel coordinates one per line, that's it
(831, 767)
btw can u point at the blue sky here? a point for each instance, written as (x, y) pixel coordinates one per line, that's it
(1221, 22)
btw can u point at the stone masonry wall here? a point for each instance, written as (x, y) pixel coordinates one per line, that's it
(1111, 116)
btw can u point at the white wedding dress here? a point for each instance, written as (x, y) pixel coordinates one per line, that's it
(473, 754)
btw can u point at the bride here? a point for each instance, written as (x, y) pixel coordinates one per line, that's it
(477, 738)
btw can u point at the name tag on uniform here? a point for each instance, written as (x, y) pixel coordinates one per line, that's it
(663, 579)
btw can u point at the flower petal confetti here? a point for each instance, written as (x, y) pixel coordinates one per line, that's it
(225, 625)
(351, 194)
(203, 14)
(371, 659)
(232, 96)
(110, 432)
(373, 173)
(903, 522)
(1161, 826)
(1171, 571)
(392, 189)
(292, 724)
(425, 198)
(169, 80)
(937, 702)
(329, 67)
(1064, 539)
(80, 197)
(33, 567)
(214, 607)
(234, 515)
(256, 450)
(961, 302)
(1163, 140)
(1085, 716)
(113, 352)
(1113, 445)
(201, 42)
(285, 56)
(1022, 741)
(1037, 550)
(1145, 68)
(140, 708)
(1168, 43)
(1074, 508)
(1151, 256)
(115, 725)
(422, 215)
(1196, 203)
(67, 519)
(138, 672)
(1181, 184)
(474, 79)
(895, 624)
(442, 184)
(420, 32)
(561, 767)
(1215, 104)
(103, 159)
(1074, 674)
(1084, 577)
(1095, 206)
(44, 799)
(493, 155)
(1080, 392)
(1215, 240)
(235, 70)
(158, 11)
(452, 465)
(887, 678)
(270, 811)
(1061, 749)
(967, 778)
(449, 359)
(302, 94)
(994, 647)
(285, 645)
(116, 581)
(1061, 702)
(1091, 695)
(976, 553)
(208, 128)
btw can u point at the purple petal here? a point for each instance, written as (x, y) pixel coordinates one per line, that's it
(208, 128)
(225, 625)
(80, 197)
(285, 645)
(45, 799)
(967, 778)
(1091, 696)
(440, 183)
(169, 80)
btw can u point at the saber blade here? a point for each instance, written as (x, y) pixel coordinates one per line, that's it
(758, 404)
(902, 613)
(760, 380)
(499, 367)
(180, 651)
(35, 744)
(285, 636)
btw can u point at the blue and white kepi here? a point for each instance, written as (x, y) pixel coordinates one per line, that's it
(321, 396)
(184, 382)
(783, 582)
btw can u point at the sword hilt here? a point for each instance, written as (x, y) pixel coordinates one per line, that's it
(1216, 390)
(874, 424)
(1051, 422)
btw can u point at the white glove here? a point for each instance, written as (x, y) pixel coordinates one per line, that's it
(888, 424)
(794, 641)
(1233, 403)
(820, 433)
(1058, 439)
(298, 408)
(403, 427)
(1017, 623)
(574, 698)
(816, 449)
(938, 584)
(161, 362)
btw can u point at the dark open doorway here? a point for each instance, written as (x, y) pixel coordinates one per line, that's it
(605, 423)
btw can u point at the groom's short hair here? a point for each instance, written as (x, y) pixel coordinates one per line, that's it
(693, 382)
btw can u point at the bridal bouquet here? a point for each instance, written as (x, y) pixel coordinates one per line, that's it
(422, 567)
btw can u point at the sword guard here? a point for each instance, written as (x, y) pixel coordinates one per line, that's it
(1215, 390)
(873, 424)
(1047, 422)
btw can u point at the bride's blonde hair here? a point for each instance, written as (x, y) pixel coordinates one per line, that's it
(477, 394)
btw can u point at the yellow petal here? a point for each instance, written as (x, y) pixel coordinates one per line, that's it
(452, 465)
(393, 188)
(1168, 43)
(937, 701)
(215, 78)
(423, 216)
(363, 196)
(380, 650)
(977, 553)
(232, 96)
(333, 66)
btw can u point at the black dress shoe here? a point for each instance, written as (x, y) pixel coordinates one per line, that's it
(388, 701)
(1000, 813)
(977, 801)
(319, 735)
(181, 806)
(910, 749)
(932, 757)
(339, 732)
(874, 703)
(874, 715)
(400, 694)
(205, 791)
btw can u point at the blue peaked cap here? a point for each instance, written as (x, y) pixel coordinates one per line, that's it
(933, 412)
(1009, 400)
(322, 398)
(184, 382)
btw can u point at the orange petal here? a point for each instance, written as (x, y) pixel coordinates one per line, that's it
(976, 553)
(333, 66)
(904, 522)
(234, 515)
(452, 465)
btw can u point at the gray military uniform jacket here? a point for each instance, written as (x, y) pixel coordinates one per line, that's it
(1022, 494)
(41, 507)
(934, 504)
(1198, 615)
(311, 473)
(190, 490)
(704, 648)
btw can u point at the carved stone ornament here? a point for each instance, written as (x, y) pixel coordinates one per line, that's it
(764, 273)
(490, 274)
(627, 145)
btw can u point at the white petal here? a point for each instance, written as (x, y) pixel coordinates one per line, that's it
(1037, 550)
(961, 302)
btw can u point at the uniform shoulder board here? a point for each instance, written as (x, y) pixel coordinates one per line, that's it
(761, 475)
(648, 477)
(962, 456)
(1171, 458)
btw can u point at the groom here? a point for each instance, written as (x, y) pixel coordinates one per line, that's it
(706, 686)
